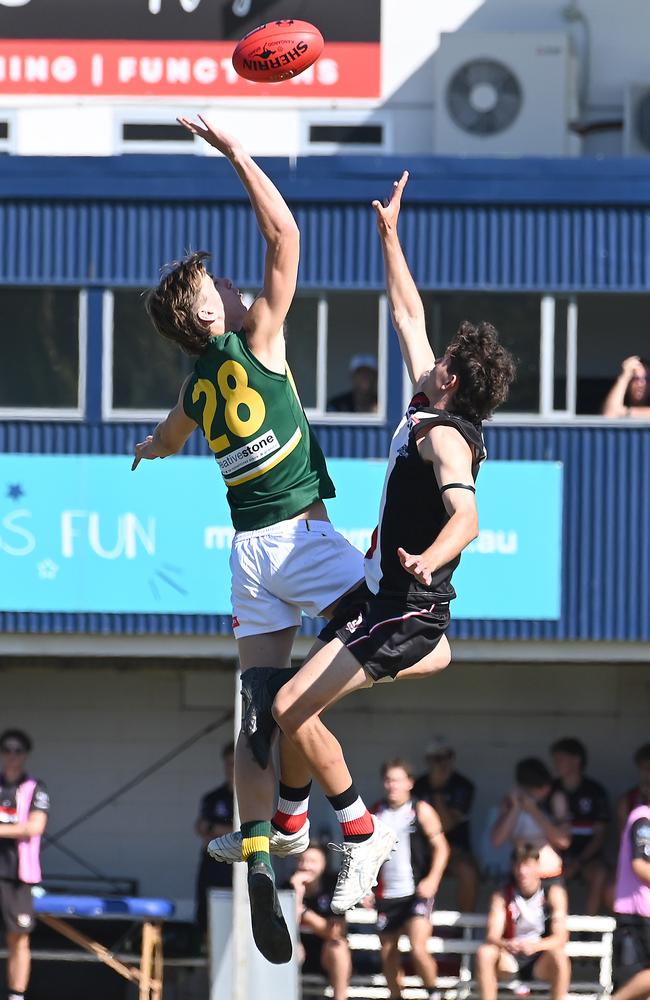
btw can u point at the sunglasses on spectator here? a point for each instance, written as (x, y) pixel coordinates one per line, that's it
(12, 749)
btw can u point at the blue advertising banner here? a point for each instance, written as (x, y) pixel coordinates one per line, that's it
(82, 533)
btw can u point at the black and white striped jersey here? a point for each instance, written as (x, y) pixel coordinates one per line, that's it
(410, 861)
(412, 513)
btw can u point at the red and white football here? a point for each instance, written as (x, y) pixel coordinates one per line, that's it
(277, 51)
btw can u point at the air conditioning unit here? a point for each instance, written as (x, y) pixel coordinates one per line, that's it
(636, 129)
(505, 94)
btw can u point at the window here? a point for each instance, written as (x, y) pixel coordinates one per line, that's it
(518, 321)
(325, 335)
(151, 130)
(345, 133)
(155, 132)
(43, 352)
(335, 347)
(7, 133)
(146, 371)
(301, 331)
(610, 329)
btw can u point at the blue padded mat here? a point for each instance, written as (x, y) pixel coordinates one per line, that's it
(133, 907)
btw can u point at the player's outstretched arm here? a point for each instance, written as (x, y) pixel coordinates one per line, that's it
(404, 299)
(451, 457)
(169, 436)
(278, 227)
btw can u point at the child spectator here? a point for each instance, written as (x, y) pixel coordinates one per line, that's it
(526, 931)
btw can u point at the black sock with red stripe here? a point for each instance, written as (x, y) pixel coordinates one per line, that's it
(291, 811)
(356, 822)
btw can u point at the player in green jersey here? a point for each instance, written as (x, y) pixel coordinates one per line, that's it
(286, 557)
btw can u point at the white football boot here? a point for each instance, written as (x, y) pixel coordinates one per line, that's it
(360, 866)
(228, 848)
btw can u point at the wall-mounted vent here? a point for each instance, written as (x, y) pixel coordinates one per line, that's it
(153, 137)
(347, 135)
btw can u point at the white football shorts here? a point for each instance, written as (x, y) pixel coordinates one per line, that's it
(287, 569)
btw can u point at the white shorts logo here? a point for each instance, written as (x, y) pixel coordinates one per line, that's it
(354, 624)
(24, 920)
(252, 452)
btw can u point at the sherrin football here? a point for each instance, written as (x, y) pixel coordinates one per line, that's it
(277, 51)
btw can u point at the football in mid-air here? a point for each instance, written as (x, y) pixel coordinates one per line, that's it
(277, 51)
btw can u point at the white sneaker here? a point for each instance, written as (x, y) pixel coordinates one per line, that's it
(360, 865)
(228, 848)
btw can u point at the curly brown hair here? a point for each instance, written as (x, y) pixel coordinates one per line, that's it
(485, 369)
(172, 305)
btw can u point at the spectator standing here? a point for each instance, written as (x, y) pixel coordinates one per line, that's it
(451, 794)
(526, 931)
(216, 813)
(630, 393)
(589, 816)
(633, 797)
(324, 946)
(530, 815)
(632, 899)
(362, 395)
(409, 880)
(24, 805)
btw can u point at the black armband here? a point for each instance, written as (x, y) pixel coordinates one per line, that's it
(458, 486)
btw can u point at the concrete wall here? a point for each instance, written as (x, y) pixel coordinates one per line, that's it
(97, 724)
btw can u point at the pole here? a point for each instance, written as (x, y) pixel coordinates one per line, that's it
(241, 933)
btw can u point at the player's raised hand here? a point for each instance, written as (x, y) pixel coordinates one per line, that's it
(388, 213)
(223, 141)
(417, 566)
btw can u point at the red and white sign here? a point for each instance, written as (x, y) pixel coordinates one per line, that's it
(175, 69)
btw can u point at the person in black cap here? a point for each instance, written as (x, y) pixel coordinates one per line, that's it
(362, 395)
(451, 794)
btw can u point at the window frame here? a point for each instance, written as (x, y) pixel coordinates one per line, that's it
(345, 116)
(319, 414)
(110, 413)
(548, 414)
(139, 115)
(67, 413)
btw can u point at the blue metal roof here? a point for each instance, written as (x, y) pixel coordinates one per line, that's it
(606, 570)
(567, 225)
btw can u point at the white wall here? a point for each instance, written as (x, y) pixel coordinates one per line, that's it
(96, 726)
(411, 35)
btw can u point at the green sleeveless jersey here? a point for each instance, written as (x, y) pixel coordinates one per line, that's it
(254, 423)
